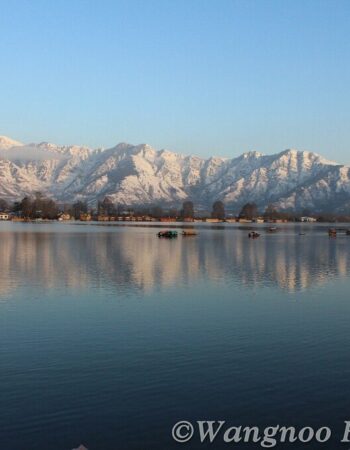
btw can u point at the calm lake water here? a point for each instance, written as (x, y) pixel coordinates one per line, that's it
(109, 335)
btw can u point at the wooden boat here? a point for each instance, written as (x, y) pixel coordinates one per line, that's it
(253, 235)
(332, 232)
(189, 233)
(167, 234)
(272, 230)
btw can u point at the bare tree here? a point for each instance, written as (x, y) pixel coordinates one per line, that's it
(4, 206)
(218, 211)
(249, 211)
(187, 209)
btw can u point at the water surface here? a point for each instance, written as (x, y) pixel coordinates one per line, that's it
(109, 335)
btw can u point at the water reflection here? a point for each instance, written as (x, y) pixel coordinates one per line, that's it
(134, 259)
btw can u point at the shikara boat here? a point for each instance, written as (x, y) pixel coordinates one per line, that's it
(189, 233)
(272, 230)
(167, 234)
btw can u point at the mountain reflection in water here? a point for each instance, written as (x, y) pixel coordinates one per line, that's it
(132, 258)
(110, 335)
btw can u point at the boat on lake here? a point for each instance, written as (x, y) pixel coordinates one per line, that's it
(253, 235)
(167, 234)
(189, 233)
(272, 230)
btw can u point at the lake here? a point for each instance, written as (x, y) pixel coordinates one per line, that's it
(109, 335)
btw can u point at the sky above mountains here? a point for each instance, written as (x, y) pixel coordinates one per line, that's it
(194, 76)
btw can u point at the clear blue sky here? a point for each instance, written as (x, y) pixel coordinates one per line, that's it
(195, 76)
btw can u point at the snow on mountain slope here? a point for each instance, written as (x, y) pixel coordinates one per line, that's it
(141, 175)
(6, 142)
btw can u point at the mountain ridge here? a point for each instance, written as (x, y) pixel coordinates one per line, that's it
(139, 174)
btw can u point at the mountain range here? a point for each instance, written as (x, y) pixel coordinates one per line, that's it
(140, 175)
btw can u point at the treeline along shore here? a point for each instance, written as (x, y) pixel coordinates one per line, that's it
(40, 207)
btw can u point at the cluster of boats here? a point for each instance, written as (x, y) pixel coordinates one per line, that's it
(173, 233)
(332, 232)
(255, 234)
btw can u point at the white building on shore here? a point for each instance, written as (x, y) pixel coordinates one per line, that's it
(308, 219)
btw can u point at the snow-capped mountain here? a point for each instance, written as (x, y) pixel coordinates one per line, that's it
(6, 143)
(141, 175)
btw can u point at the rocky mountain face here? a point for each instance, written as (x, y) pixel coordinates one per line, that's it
(141, 175)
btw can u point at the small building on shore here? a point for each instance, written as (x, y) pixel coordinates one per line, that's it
(17, 219)
(64, 216)
(308, 219)
(278, 221)
(102, 218)
(4, 216)
(212, 220)
(85, 217)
